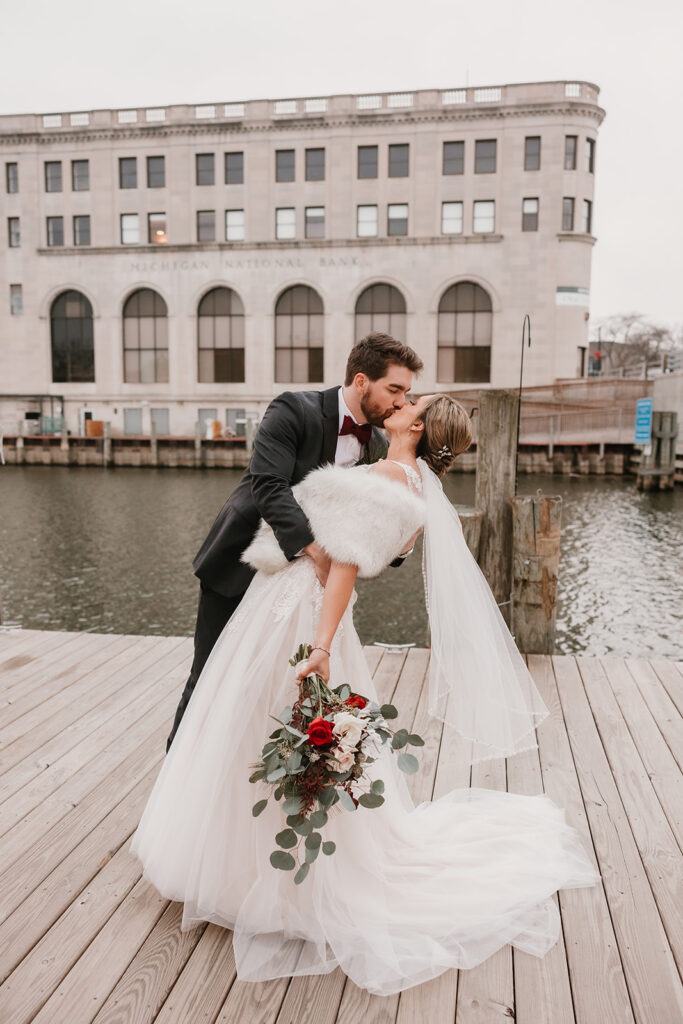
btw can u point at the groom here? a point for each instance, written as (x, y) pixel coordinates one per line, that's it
(300, 431)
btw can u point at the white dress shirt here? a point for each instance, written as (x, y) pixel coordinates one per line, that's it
(348, 446)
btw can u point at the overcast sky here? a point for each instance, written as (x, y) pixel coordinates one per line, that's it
(78, 55)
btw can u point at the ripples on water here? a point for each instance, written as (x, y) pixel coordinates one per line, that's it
(111, 551)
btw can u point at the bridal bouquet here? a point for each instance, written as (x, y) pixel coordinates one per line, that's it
(317, 758)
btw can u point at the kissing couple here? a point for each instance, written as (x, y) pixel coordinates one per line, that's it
(412, 890)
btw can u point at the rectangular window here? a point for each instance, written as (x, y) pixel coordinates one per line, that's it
(451, 218)
(235, 422)
(587, 216)
(484, 216)
(485, 156)
(156, 172)
(204, 169)
(284, 165)
(454, 158)
(532, 153)
(234, 225)
(590, 155)
(53, 175)
(80, 175)
(12, 177)
(55, 231)
(160, 421)
(315, 165)
(570, 152)
(397, 219)
(530, 215)
(130, 229)
(399, 161)
(132, 422)
(156, 229)
(206, 225)
(81, 227)
(128, 172)
(285, 222)
(567, 214)
(234, 168)
(13, 232)
(16, 300)
(315, 222)
(367, 223)
(367, 161)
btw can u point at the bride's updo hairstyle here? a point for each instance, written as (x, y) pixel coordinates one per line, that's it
(447, 433)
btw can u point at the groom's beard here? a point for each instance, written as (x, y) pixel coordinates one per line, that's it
(374, 413)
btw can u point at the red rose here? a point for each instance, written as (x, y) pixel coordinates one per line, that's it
(356, 701)
(320, 732)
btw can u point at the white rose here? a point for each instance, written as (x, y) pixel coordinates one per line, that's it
(348, 728)
(343, 759)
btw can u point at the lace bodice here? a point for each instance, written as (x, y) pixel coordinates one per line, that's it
(412, 475)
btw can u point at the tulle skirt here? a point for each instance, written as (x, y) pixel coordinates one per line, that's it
(410, 891)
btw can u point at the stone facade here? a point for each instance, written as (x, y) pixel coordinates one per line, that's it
(543, 271)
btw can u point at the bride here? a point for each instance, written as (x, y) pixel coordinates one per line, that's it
(412, 890)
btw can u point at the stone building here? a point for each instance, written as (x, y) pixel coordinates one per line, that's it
(187, 263)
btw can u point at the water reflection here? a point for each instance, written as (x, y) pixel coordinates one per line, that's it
(110, 551)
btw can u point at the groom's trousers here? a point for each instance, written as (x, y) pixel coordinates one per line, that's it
(214, 611)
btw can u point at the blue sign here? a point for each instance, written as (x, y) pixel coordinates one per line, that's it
(643, 434)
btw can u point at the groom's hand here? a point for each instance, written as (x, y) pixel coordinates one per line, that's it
(321, 560)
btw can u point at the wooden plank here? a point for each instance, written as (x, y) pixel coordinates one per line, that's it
(85, 988)
(664, 711)
(596, 975)
(486, 992)
(52, 654)
(36, 861)
(656, 843)
(541, 984)
(80, 870)
(671, 677)
(145, 984)
(131, 680)
(34, 709)
(201, 989)
(649, 967)
(662, 770)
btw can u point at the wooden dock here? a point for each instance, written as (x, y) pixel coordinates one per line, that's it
(84, 940)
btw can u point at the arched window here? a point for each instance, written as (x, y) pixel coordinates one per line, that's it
(145, 338)
(299, 336)
(464, 334)
(71, 333)
(381, 307)
(221, 337)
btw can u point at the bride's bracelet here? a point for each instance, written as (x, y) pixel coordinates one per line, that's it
(321, 649)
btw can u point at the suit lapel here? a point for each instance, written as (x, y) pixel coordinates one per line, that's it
(330, 423)
(375, 449)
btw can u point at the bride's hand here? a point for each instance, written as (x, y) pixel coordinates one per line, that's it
(318, 663)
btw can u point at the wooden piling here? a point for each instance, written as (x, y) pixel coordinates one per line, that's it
(658, 466)
(495, 487)
(536, 522)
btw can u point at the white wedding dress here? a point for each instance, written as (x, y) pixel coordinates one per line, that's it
(411, 890)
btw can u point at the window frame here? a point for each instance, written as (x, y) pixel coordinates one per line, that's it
(590, 155)
(452, 202)
(125, 172)
(475, 204)
(208, 171)
(530, 218)
(12, 177)
(481, 158)
(284, 209)
(50, 164)
(50, 224)
(571, 209)
(367, 206)
(13, 232)
(16, 292)
(282, 169)
(532, 160)
(227, 172)
(151, 174)
(122, 229)
(244, 225)
(360, 164)
(81, 217)
(310, 166)
(75, 176)
(199, 228)
(398, 167)
(459, 159)
(159, 214)
(587, 217)
(571, 146)
(314, 222)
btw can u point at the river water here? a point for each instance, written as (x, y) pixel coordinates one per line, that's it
(111, 551)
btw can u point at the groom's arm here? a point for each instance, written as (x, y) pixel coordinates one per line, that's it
(272, 466)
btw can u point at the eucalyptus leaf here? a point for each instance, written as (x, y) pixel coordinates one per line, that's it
(285, 715)
(293, 762)
(292, 806)
(346, 800)
(371, 800)
(326, 797)
(286, 839)
(301, 874)
(328, 848)
(313, 841)
(310, 853)
(304, 829)
(269, 747)
(416, 740)
(344, 691)
(282, 860)
(278, 773)
(388, 711)
(318, 819)
(377, 786)
(294, 732)
(260, 773)
(408, 764)
(400, 739)
(258, 807)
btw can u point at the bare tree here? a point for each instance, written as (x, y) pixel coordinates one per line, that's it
(628, 339)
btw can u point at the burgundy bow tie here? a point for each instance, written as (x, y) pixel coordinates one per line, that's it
(363, 431)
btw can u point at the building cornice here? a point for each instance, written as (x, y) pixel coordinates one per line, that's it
(492, 113)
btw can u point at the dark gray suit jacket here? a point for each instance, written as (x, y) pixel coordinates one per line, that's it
(298, 433)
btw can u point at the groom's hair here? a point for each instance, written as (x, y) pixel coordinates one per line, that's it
(374, 353)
